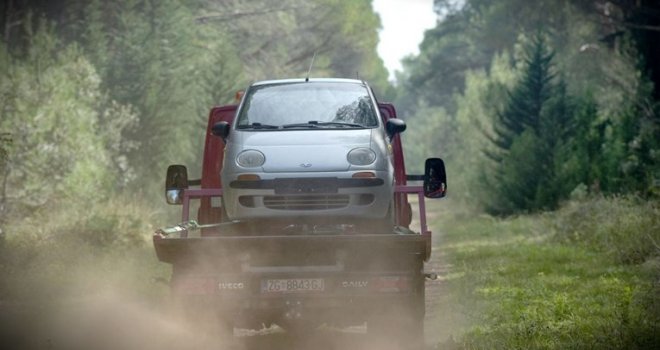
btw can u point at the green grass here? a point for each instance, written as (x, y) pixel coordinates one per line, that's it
(518, 284)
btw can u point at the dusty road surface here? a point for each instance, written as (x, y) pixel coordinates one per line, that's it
(111, 323)
(110, 320)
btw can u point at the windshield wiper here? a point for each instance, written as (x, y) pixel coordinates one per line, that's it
(316, 124)
(310, 124)
(257, 126)
(350, 125)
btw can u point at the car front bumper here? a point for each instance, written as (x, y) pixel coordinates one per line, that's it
(313, 195)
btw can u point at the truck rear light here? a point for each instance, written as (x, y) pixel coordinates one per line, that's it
(193, 285)
(390, 284)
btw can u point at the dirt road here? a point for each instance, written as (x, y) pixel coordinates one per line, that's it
(114, 322)
(110, 320)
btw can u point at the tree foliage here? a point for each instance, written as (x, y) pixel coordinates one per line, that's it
(52, 108)
(100, 96)
(342, 34)
(587, 121)
(527, 99)
(529, 135)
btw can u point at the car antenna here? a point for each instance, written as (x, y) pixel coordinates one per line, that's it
(310, 67)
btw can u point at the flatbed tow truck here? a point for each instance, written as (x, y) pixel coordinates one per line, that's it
(298, 274)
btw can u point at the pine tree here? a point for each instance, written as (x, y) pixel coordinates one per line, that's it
(525, 102)
(529, 135)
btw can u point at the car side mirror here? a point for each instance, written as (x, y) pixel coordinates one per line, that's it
(221, 129)
(175, 182)
(435, 178)
(394, 126)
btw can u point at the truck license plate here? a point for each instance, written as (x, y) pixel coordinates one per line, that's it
(292, 285)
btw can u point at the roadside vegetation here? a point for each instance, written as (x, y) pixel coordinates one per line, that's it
(548, 121)
(583, 277)
(63, 255)
(529, 103)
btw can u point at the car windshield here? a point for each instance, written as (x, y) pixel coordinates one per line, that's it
(307, 104)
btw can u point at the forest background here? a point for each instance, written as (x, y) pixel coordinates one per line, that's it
(534, 105)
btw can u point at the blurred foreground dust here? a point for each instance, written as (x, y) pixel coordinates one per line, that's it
(106, 305)
(111, 322)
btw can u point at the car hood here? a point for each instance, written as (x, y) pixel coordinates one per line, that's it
(306, 150)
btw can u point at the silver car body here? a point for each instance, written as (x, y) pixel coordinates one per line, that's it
(305, 170)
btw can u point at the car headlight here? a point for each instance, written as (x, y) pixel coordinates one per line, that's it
(361, 156)
(250, 159)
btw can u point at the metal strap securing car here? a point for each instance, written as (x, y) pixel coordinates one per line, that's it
(190, 225)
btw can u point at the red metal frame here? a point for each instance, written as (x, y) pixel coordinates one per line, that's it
(217, 192)
(201, 193)
(421, 201)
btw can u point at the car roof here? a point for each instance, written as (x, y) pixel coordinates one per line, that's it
(310, 80)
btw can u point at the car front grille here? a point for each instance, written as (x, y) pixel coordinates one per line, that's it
(318, 202)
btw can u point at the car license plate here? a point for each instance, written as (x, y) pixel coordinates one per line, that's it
(292, 285)
(306, 186)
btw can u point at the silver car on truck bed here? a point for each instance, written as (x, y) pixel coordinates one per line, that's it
(308, 149)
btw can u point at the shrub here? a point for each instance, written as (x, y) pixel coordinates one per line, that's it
(626, 228)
